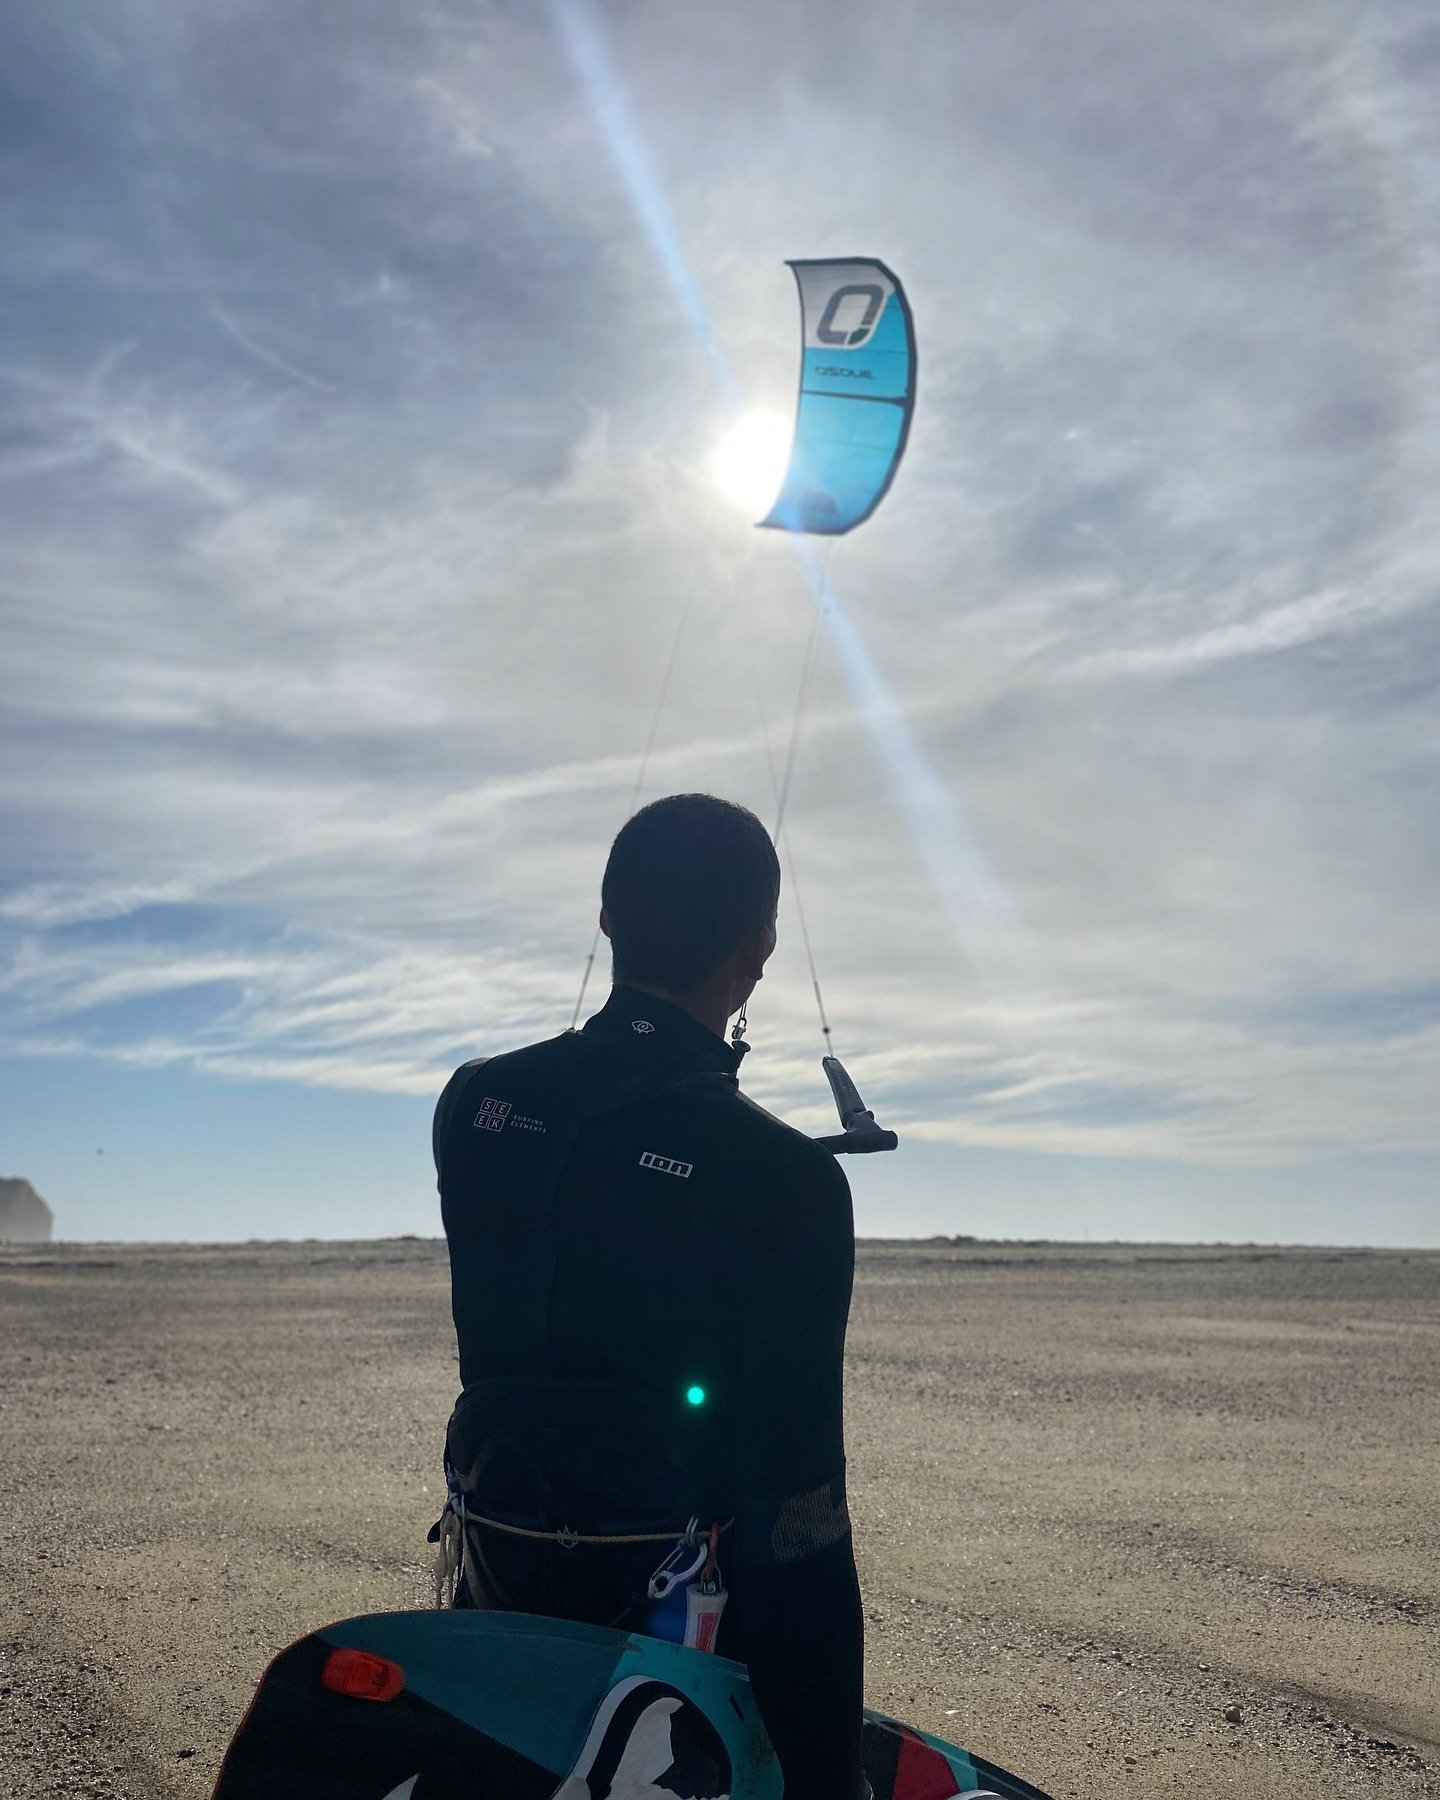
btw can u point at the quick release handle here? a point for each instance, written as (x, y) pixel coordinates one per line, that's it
(861, 1135)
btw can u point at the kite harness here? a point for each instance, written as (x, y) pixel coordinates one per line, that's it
(681, 1609)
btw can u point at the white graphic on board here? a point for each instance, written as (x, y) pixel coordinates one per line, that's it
(649, 1742)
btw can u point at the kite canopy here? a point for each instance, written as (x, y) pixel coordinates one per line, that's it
(857, 392)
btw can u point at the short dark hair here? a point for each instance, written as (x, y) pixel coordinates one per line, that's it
(687, 877)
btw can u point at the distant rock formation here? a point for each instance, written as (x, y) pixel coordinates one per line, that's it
(24, 1216)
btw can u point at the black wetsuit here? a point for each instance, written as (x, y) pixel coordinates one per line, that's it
(627, 1231)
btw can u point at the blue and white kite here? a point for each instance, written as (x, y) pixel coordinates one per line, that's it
(857, 394)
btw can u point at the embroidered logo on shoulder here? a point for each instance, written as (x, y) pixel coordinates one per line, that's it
(641, 1025)
(492, 1114)
(667, 1165)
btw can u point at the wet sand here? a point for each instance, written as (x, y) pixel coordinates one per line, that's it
(1131, 1521)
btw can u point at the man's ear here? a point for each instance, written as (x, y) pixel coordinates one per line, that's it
(604, 921)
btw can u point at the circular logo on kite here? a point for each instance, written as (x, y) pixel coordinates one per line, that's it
(641, 1025)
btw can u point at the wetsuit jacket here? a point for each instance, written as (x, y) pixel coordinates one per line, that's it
(620, 1215)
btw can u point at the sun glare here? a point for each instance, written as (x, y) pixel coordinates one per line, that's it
(749, 461)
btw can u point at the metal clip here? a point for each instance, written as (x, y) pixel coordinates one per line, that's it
(667, 1578)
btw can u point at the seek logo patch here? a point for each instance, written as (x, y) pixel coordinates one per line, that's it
(666, 1165)
(492, 1114)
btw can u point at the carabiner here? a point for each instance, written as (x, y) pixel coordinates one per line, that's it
(665, 1579)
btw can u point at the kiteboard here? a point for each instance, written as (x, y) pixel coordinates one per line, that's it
(507, 1706)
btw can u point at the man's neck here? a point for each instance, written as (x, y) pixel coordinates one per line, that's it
(703, 1005)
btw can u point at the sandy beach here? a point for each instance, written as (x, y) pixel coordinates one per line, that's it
(1129, 1520)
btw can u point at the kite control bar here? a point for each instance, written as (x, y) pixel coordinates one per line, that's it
(860, 1134)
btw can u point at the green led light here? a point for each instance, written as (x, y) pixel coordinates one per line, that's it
(695, 1394)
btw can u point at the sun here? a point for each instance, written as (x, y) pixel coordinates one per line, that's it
(749, 461)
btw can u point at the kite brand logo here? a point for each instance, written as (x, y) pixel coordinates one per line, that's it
(642, 1026)
(492, 1114)
(851, 315)
(849, 374)
(667, 1165)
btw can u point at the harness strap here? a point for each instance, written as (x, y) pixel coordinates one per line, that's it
(568, 1539)
(450, 1533)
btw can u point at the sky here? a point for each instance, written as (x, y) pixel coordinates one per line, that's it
(361, 369)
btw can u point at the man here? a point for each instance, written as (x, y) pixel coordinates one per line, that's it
(650, 1281)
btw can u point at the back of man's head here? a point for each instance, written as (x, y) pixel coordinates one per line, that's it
(688, 878)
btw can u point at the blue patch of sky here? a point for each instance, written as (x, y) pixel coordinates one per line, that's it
(176, 925)
(170, 1154)
(1357, 1013)
(176, 1012)
(173, 1009)
(1342, 1199)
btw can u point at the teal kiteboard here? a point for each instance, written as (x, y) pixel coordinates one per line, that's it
(507, 1706)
